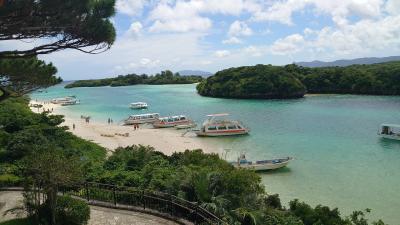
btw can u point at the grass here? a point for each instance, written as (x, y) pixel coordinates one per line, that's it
(23, 221)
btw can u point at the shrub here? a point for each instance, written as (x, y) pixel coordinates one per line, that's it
(9, 180)
(70, 211)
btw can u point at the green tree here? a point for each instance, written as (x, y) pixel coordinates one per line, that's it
(83, 25)
(49, 168)
(20, 76)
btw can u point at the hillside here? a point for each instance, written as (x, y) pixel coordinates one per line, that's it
(195, 73)
(348, 62)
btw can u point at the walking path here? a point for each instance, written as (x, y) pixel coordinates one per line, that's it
(98, 215)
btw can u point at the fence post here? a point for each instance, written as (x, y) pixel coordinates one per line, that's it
(87, 191)
(144, 200)
(115, 196)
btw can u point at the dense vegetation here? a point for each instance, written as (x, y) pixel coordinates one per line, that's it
(260, 81)
(74, 24)
(34, 150)
(19, 76)
(165, 77)
(292, 81)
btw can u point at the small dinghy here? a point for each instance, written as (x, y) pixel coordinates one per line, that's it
(262, 165)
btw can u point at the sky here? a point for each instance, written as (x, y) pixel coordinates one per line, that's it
(210, 35)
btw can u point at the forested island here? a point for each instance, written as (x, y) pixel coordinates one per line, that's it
(293, 81)
(165, 77)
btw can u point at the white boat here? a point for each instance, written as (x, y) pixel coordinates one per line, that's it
(171, 121)
(271, 164)
(138, 105)
(390, 131)
(70, 100)
(142, 118)
(214, 126)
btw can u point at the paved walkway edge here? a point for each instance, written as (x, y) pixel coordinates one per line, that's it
(118, 206)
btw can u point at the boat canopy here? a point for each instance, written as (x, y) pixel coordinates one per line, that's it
(390, 125)
(219, 114)
(147, 114)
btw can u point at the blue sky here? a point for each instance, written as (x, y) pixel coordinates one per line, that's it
(210, 35)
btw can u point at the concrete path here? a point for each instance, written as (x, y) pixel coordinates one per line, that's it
(98, 215)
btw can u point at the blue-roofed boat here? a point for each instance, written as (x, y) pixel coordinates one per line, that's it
(261, 165)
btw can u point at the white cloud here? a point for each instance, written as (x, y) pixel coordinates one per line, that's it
(239, 28)
(280, 11)
(254, 51)
(339, 10)
(185, 16)
(393, 7)
(182, 17)
(130, 7)
(222, 53)
(232, 40)
(362, 37)
(288, 45)
(135, 30)
(195, 24)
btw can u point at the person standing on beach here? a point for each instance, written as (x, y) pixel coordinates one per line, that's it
(73, 126)
(111, 120)
(108, 121)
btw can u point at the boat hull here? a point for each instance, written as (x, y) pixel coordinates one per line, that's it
(392, 137)
(172, 124)
(269, 165)
(131, 122)
(221, 133)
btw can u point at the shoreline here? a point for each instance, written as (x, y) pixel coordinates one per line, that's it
(109, 136)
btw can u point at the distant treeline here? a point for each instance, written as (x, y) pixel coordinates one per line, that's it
(292, 81)
(165, 77)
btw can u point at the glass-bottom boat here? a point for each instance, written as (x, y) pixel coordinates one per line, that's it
(171, 121)
(214, 126)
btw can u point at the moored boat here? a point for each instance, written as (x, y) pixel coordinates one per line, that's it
(142, 118)
(214, 126)
(138, 105)
(171, 121)
(70, 100)
(262, 165)
(390, 131)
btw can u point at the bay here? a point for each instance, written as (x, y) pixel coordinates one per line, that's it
(339, 159)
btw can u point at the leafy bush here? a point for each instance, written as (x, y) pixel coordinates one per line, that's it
(9, 180)
(70, 211)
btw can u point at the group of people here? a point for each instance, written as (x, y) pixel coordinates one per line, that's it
(87, 118)
(136, 126)
(110, 121)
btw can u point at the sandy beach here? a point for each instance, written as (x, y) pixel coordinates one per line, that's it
(167, 140)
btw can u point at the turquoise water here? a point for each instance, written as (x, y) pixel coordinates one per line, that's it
(339, 160)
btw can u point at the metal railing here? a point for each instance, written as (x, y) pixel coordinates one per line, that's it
(142, 200)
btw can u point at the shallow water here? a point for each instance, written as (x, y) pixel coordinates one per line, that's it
(339, 160)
